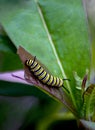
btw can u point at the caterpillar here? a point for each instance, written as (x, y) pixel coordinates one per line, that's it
(42, 74)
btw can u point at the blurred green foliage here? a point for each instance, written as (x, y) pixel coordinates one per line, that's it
(56, 32)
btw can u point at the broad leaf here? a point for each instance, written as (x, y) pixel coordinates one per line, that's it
(55, 31)
(55, 92)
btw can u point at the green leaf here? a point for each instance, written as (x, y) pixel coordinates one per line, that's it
(60, 38)
(89, 103)
(55, 31)
(55, 92)
(6, 45)
(17, 89)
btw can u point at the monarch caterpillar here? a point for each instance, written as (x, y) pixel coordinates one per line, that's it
(42, 74)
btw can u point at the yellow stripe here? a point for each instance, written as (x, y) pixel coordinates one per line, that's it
(57, 82)
(36, 68)
(46, 79)
(50, 81)
(42, 75)
(39, 72)
(29, 62)
(54, 81)
(34, 64)
(61, 83)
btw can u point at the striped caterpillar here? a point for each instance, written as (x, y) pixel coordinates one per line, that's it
(43, 75)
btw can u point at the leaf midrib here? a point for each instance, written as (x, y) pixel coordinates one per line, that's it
(54, 50)
(51, 41)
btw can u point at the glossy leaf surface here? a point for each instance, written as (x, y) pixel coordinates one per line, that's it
(54, 31)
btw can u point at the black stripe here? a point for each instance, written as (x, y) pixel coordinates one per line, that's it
(38, 69)
(40, 73)
(48, 79)
(32, 63)
(33, 60)
(34, 66)
(44, 76)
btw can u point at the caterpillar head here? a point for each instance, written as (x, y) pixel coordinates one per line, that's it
(28, 62)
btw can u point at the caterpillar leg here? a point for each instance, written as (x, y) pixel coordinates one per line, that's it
(65, 88)
(67, 79)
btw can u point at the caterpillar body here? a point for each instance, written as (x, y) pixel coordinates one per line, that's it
(42, 74)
